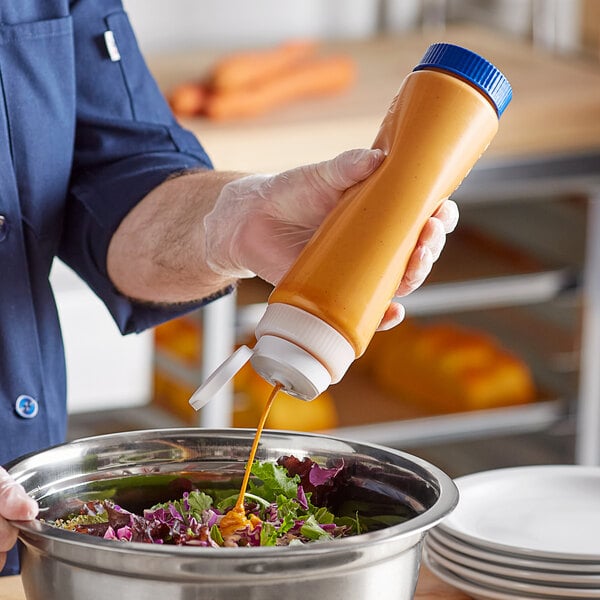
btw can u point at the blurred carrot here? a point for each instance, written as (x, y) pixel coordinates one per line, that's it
(309, 78)
(248, 67)
(188, 99)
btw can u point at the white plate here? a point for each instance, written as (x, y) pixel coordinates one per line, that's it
(510, 559)
(475, 591)
(528, 575)
(540, 511)
(507, 585)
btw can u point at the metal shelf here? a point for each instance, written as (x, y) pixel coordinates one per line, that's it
(386, 423)
(493, 292)
(442, 428)
(436, 298)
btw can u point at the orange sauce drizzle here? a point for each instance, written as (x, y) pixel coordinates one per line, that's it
(236, 518)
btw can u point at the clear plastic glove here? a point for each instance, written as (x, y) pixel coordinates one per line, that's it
(260, 223)
(15, 505)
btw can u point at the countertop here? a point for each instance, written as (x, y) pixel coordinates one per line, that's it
(428, 588)
(555, 108)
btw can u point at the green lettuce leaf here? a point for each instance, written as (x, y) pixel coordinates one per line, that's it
(313, 531)
(274, 481)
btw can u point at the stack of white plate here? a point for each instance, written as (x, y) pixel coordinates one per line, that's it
(525, 532)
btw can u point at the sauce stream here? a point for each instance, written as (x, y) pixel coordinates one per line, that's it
(236, 518)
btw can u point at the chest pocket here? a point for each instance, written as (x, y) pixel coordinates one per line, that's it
(145, 100)
(38, 85)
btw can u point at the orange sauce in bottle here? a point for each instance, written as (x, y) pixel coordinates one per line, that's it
(435, 130)
(236, 519)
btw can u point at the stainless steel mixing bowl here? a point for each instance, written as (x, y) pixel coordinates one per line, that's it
(141, 465)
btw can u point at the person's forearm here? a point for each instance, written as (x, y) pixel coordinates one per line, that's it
(165, 251)
(158, 252)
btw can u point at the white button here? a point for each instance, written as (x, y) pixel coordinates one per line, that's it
(26, 407)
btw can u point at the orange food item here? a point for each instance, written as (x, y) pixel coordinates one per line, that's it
(251, 82)
(287, 413)
(309, 78)
(246, 68)
(172, 394)
(181, 339)
(189, 99)
(448, 368)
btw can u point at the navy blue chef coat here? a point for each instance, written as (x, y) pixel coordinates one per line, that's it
(83, 137)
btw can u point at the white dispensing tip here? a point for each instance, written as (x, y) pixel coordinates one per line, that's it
(295, 349)
(220, 377)
(327, 346)
(299, 373)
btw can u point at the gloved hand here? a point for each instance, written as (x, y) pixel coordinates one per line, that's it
(15, 505)
(260, 223)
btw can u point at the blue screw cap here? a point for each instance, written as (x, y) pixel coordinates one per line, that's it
(471, 67)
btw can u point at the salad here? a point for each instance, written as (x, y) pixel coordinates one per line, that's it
(286, 504)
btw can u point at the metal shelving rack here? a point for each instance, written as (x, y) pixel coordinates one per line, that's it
(566, 174)
(548, 147)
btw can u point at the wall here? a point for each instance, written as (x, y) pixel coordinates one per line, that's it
(178, 24)
(175, 25)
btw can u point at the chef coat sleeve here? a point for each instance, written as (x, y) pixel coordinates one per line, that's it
(127, 142)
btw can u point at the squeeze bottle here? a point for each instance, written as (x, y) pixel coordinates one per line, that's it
(324, 311)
